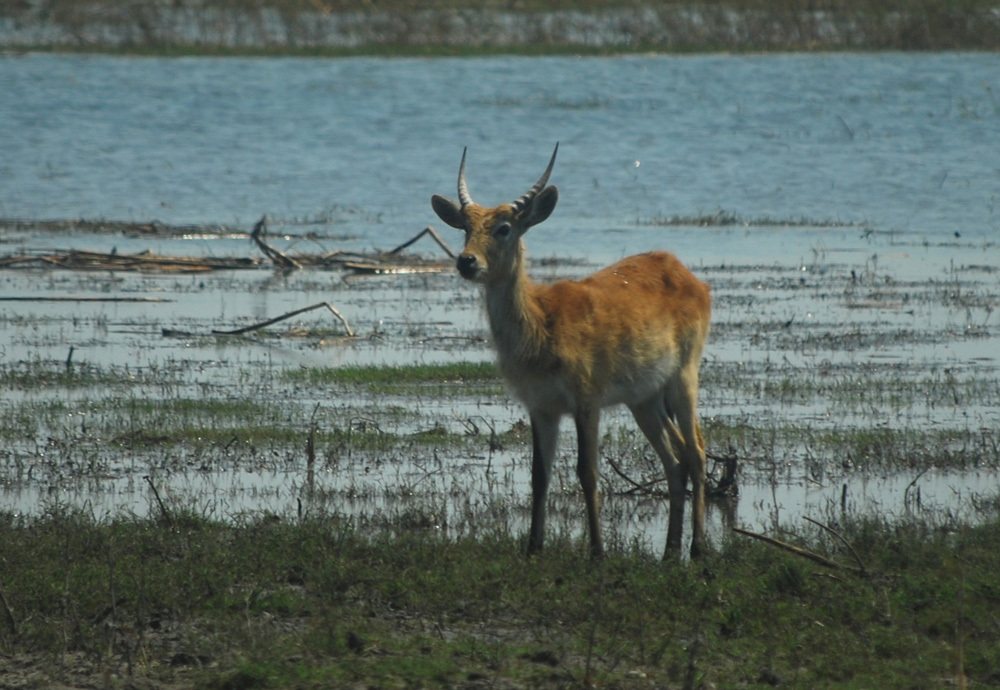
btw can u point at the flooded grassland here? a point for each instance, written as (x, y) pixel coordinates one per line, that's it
(854, 375)
(289, 461)
(294, 506)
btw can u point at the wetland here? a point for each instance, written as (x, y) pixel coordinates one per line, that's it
(296, 507)
(329, 501)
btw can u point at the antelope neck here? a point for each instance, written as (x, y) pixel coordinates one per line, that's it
(516, 321)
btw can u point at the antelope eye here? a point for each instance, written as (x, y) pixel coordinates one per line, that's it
(502, 230)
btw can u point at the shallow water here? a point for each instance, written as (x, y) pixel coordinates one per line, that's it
(858, 247)
(898, 141)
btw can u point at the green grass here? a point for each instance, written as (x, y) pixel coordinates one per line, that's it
(438, 379)
(37, 374)
(272, 604)
(392, 375)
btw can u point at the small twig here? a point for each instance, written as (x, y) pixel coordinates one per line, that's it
(280, 258)
(159, 501)
(311, 444)
(636, 486)
(426, 231)
(843, 540)
(906, 492)
(262, 324)
(799, 551)
(725, 487)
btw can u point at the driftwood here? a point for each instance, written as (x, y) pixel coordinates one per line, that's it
(263, 324)
(391, 262)
(426, 231)
(176, 333)
(363, 263)
(280, 259)
(77, 260)
(379, 263)
(374, 263)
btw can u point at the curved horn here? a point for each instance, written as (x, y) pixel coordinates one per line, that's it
(464, 198)
(526, 198)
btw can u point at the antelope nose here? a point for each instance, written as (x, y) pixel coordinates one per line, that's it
(466, 264)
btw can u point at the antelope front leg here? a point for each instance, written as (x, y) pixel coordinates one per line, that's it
(544, 435)
(587, 422)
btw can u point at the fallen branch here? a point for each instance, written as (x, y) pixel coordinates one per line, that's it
(426, 231)
(636, 486)
(391, 262)
(281, 259)
(262, 324)
(839, 536)
(797, 550)
(78, 260)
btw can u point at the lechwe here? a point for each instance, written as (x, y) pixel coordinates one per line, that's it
(632, 333)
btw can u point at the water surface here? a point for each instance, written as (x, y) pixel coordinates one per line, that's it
(844, 210)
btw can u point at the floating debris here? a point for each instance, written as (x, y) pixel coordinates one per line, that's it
(375, 263)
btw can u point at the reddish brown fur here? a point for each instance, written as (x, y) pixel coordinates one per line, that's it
(631, 333)
(603, 328)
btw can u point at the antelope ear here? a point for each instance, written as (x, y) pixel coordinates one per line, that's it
(540, 208)
(448, 211)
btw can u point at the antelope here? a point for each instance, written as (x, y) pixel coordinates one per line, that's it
(631, 333)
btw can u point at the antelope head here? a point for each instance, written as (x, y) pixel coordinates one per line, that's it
(493, 235)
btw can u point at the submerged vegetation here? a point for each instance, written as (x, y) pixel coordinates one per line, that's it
(336, 27)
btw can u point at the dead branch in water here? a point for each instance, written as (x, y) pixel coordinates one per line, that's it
(77, 260)
(281, 259)
(366, 263)
(426, 231)
(262, 324)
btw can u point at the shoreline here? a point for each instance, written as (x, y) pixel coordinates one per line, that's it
(395, 27)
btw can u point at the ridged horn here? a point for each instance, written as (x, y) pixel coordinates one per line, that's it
(464, 198)
(526, 198)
